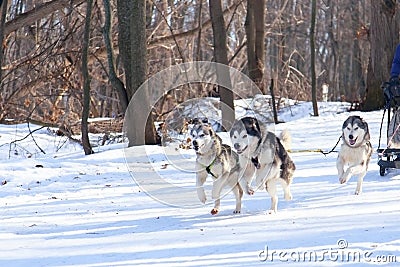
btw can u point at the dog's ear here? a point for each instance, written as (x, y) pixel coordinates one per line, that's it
(210, 129)
(204, 120)
(253, 127)
(256, 125)
(367, 135)
(196, 121)
(347, 121)
(251, 123)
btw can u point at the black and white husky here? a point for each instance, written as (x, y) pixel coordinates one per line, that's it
(262, 154)
(217, 160)
(355, 152)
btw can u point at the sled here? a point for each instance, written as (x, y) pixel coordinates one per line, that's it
(389, 157)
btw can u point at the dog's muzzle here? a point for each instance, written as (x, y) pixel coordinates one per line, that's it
(238, 149)
(351, 140)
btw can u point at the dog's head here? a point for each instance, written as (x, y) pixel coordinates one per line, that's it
(245, 134)
(202, 135)
(355, 131)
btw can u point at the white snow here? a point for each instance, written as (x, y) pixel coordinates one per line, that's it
(63, 208)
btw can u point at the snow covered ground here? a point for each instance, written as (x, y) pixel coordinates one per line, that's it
(66, 209)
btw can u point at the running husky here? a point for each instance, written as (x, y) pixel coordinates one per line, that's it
(262, 154)
(355, 151)
(218, 160)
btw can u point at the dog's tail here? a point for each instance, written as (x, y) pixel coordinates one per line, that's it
(286, 139)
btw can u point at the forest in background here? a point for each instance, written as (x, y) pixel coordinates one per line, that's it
(43, 45)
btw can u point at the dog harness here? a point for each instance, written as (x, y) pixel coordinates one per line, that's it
(208, 169)
(256, 162)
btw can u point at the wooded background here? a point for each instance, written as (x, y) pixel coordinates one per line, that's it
(43, 51)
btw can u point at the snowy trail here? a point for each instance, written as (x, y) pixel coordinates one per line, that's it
(67, 209)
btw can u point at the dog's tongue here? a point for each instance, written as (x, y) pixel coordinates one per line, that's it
(352, 142)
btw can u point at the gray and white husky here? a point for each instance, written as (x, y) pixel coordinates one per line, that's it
(355, 151)
(218, 160)
(262, 154)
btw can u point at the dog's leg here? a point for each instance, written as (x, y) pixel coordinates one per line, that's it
(217, 204)
(340, 167)
(246, 179)
(238, 192)
(286, 190)
(201, 177)
(260, 180)
(218, 184)
(353, 169)
(271, 189)
(359, 183)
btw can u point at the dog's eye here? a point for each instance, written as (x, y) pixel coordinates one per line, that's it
(245, 136)
(356, 128)
(348, 128)
(201, 135)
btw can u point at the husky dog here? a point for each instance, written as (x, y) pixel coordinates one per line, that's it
(218, 160)
(262, 154)
(355, 151)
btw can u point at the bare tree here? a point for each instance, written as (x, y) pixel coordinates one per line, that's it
(3, 10)
(132, 46)
(86, 82)
(255, 33)
(384, 33)
(115, 81)
(312, 53)
(221, 56)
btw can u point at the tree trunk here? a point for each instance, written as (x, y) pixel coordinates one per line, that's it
(384, 36)
(312, 51)
(86, 82)
(357, 77)
(259, 47)
(254, 27)
(117, 84)
(3, 14)
(125, 19)
(139, 119)
(221, 56)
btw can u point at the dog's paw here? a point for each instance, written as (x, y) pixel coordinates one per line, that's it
(357, 193)
(271, 212)
(236, 211)
(202, 197)
(342, 180)
(250, 191)
(214, 211)
(288, 196)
